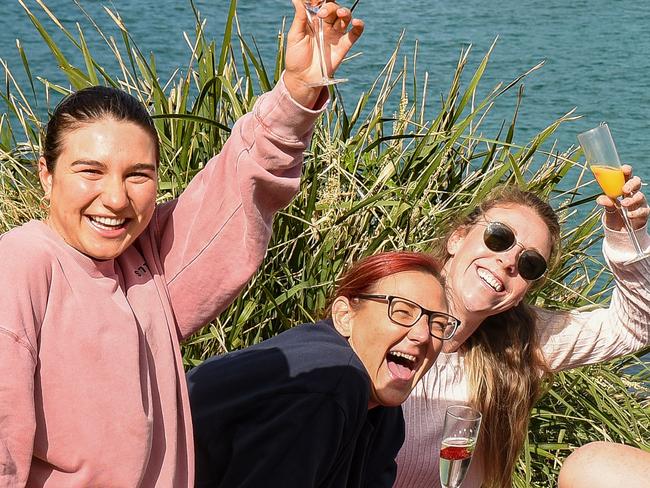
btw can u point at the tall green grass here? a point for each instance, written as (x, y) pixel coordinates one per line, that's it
(375, 179)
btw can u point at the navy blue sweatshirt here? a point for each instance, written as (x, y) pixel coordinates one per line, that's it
(292, 411)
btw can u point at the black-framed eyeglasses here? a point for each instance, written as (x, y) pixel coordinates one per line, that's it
(406, 313)
(498, 237)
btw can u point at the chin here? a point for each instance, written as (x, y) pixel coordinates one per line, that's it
(478, 304)
(100, 254)
(392, 399)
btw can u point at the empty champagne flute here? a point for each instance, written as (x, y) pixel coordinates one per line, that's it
(312, 7)
(602, 158)
(459, 436)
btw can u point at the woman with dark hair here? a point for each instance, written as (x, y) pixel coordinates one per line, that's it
(504, 347)
(96, 299)
(319, 404)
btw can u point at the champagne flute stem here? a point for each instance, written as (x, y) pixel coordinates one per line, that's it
(629, 228)
(320, 40)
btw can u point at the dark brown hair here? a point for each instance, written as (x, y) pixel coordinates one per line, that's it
(88, 105)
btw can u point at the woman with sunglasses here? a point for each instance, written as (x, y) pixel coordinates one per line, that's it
(318, 405)
(504, 347)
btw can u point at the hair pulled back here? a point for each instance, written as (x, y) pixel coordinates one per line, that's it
(86, 106)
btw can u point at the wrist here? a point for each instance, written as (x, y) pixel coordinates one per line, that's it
(618, 245)
(613, 220)
(301, 93)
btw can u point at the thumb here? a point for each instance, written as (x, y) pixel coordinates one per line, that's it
(606, 202)
(300, 20)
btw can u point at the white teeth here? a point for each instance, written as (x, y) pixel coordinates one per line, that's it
(403, 355)
(490, 279)
(108, 221)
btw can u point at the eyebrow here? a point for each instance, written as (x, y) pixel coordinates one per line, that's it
(144, 167)
(100, 165)
(88, 162)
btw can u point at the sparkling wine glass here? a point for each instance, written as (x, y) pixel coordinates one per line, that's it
(312, 7)
(459, 436)
(603, 160)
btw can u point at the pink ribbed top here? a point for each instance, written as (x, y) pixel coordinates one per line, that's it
(568, 340)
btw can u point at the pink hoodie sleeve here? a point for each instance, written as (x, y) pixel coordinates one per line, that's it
(215, 235)
(23, 294)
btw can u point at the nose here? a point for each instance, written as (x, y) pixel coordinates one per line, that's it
(114, 194)
(420, 332)
(508, 259)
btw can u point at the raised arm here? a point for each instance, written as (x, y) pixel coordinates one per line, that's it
(571, 339)
(213, 238)
(340, 32)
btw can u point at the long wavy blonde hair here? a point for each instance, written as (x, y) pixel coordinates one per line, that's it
(504, 364)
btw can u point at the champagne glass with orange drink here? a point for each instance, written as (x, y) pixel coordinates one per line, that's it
(602, 158)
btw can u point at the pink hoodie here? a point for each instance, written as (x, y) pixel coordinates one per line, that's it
(92, 388)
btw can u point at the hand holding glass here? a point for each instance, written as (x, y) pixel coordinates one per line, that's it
(459, 436)
(312, 7)
(602, 158)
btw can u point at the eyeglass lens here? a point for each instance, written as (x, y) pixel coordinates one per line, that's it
(407, 314)
(499, 237)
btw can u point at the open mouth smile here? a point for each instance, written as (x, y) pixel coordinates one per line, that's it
(490, 280)
(402, 365)
(107, 224)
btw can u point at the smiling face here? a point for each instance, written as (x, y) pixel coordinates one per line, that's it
(102, 191)
(482, 282)
(395, 357)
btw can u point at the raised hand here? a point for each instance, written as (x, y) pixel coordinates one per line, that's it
(302, 62)
(633, 200)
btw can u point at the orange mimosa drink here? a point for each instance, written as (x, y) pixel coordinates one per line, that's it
(610, 179)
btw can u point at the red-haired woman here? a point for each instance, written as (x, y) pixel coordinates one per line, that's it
(319, 405)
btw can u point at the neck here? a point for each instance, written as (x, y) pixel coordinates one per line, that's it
(469, 321)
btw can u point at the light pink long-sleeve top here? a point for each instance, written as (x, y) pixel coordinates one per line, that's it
(567, 339)
(92, 388)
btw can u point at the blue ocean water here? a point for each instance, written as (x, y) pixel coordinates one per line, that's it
(595, 52)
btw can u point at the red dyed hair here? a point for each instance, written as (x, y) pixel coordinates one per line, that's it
(363, 274)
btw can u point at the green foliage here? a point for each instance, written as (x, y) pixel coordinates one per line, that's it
(372, 181)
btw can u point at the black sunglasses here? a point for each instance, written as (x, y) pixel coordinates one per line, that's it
(498, 237)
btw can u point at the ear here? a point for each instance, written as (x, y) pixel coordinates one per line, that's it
(341, 316)
(455, 241)
(45, 176)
